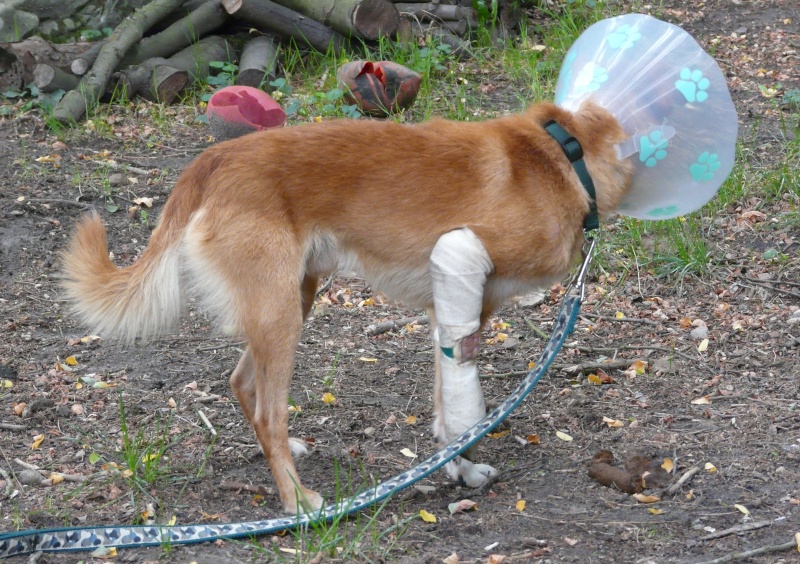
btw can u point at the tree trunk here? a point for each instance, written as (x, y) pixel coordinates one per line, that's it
(74, 105)
(272, 17)
(202, 21)
(50, 79)
(258, 62)
(367, 19)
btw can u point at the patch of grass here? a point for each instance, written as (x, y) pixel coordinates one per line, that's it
(143, 453)
(365, 536)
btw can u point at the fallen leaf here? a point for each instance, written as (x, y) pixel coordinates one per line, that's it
(655, 510)
(76, 409)
(104, 552)
(594, 379)
(460, 506)
(71, 361)
(7, 383)
(427, 517)
(411, 420)
(146, 202)
(367, 359)
(19, 407)
(701, 401)
(171, 402)
(742, 508)
(710, 467)
(689, 495)
(150, 457)
(533, 439)
(37, 441)
(498, 434)
(703, 346)
(328, 397)
(639, 367)
(571, 542)
(613, 422)
(520, 505)
(641, 498)
(452, 559)
(797, 540)
(295, 409)
(619, 315)
(408, 452)
(668, 465)
(56, 478)
(685, 323)
(496, 559)
(563, 436)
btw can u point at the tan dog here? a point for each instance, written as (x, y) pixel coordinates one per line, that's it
(254, 222)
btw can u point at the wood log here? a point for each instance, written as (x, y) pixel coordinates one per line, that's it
(17, 60)
(195, 59)
(271, 17)
(49, 79)
(74, 105)
(155, 80)
(81, 65)
(200, 22)
(258, 62)
(430, 11)
(367, 19)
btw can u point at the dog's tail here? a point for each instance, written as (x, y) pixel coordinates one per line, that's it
(144, 299)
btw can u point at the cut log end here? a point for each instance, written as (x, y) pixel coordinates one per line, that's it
(373, 19)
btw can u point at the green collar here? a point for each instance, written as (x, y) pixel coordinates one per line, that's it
(574, 152)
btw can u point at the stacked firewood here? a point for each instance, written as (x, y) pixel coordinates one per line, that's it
(168, 44)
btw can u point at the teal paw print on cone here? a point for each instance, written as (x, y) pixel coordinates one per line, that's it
(590, 79)
(693, 85)
(624, 37)
(703, 170)
(653, 148)
(666, 211)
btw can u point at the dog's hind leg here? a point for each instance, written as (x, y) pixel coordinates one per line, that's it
(254, 282)
(459, 267)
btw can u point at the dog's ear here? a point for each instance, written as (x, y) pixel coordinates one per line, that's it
(598, 123)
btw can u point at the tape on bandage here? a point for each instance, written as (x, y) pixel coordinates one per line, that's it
(465, 349)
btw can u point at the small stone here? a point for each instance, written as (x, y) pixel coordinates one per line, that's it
(699, 333)
(30, 477)
(117, 179)
(532, 299)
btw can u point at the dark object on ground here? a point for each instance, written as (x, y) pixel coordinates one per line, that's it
(379, 89)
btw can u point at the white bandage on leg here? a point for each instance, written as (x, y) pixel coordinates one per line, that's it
(459, 267)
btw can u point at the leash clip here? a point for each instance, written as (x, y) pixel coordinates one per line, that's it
(578, 283)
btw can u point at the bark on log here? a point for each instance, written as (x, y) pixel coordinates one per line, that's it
(271, 17)
(74, 105)
(200, 22)
(367, 19)
(154, 80)
(49, 78)
(258, 62)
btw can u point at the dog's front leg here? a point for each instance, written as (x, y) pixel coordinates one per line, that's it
(459, 267)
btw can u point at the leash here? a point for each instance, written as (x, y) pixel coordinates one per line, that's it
(74, 539)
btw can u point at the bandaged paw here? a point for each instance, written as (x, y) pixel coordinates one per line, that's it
(471, 474)
(297, 447)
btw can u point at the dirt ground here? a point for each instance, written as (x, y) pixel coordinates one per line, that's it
(735, 406)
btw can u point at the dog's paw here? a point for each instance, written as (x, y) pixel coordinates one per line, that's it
(471, 474)
(297, 447)
(305, 501)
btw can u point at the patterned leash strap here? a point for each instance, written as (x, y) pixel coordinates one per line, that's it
(75, 539)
